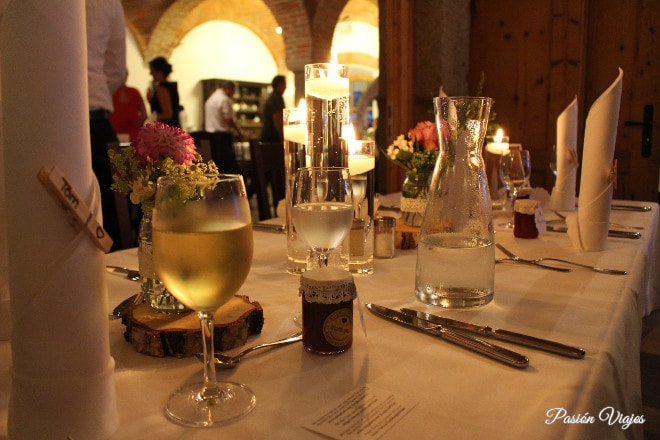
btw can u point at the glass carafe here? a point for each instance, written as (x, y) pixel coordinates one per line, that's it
(455, 256)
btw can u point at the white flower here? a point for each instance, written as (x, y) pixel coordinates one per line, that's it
(142, 189)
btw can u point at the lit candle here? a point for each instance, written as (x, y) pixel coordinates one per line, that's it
(360, 153)
(500, 143)
(295, 129)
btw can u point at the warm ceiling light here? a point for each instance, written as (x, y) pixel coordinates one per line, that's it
(278, 30)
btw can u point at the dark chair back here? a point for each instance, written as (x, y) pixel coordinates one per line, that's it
(203, 143)
(268, 175)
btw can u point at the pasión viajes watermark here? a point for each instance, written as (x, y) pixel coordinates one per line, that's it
(608, 415)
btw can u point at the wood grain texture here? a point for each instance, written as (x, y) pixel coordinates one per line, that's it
(178, 335)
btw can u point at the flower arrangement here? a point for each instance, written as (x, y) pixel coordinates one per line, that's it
(417, 151)
(158, 150)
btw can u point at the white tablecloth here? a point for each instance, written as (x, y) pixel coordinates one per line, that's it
(459, 394)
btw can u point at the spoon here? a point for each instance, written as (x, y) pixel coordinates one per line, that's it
(131, 274)
(224, 361)
(118, 311)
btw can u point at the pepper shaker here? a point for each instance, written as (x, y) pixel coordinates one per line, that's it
(384, 229)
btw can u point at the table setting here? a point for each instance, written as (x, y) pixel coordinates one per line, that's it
(475, 328)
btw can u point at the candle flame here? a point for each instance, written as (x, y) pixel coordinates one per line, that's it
(498, 135)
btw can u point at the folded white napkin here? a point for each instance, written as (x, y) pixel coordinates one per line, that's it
(588, 229)
(62, 373)
(563, 194)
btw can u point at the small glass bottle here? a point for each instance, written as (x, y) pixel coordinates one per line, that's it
(384, 230)
(327, 310)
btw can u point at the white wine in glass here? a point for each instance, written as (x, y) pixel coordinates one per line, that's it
(323, 208)
(202, 249)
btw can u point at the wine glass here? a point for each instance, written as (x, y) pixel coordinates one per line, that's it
(553, 160)
(527, 166)
(514, 175)
(323, 208)
(202, 249)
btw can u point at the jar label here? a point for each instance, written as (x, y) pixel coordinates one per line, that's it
(338, 327)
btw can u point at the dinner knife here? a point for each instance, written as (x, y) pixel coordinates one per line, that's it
(269, 227)
(503, 335)
(493, 351)
(644, 208)
(610, 233)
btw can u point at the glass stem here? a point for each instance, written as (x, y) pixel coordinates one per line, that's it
(323, 259)
(210, 389)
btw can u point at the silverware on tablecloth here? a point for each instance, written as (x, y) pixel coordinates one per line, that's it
(131, 274)
(560, 260)
(503, 335)
(612, 224)
(517, 259)
(482, 347)
(645, 208)
(224, 361)
(611, 233)
(120, 308)
(270, 227)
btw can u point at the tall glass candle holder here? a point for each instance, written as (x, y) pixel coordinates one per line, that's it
(295, 141)
(362, 164)
(327, 98)
(496, 146)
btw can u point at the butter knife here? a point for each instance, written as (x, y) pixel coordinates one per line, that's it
(503, 335)
(482, 347)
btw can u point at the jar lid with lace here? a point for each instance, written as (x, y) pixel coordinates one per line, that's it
(327, 285)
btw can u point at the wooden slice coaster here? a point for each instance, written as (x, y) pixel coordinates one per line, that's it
(406, 237)
(179, 335)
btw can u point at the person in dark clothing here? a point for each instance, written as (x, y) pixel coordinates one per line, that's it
(164, 96)
(106, 71)
(271, 116)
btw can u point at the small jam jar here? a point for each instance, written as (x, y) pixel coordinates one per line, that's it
(526, 215)
(327, 310)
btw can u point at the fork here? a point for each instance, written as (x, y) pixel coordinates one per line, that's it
(224, 361)
(539, 260)
(536, 263)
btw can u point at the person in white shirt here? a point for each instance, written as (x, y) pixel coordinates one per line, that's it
(106, 71)
(219, 121)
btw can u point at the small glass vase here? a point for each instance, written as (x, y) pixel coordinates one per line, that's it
(414, 192)
(153, 290)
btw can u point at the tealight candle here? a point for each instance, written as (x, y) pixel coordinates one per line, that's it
(499, 144)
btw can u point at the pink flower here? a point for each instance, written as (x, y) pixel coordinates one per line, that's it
(156, 141)
(426, 133)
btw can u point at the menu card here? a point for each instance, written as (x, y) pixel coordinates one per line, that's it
(364, 413)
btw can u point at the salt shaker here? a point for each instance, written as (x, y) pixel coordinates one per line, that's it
(327, 310)
(384, 228)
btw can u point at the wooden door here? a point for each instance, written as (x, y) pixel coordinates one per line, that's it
(537, 55)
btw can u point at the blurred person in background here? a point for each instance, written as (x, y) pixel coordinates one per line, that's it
(163, 96)
(272, 114)
(129, 111)
(106, 71)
